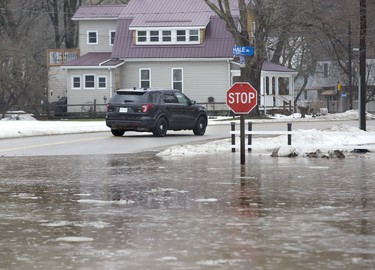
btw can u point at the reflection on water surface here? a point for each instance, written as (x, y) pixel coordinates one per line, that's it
(142, 212)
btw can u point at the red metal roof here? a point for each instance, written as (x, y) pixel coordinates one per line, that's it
(98, 12)
(268, 66)
(170, 7)
(218, 44)
(90, 59)
(171, 20)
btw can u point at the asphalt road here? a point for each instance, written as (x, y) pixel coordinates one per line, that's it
(101, 143)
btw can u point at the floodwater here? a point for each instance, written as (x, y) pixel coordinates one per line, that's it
(142, 212)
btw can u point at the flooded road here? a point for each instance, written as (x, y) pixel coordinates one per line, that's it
(138, 211)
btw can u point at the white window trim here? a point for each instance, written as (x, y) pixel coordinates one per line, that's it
(189, 35)
(84, 81)
(173, 36)
(98, 84)
(88, 37)
(80, 82)
(140, 78)
(182, 77)
(147, 37)
(110, 37)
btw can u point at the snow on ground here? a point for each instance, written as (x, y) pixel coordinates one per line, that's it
(19, 124)
(340, 137)
(321, 142)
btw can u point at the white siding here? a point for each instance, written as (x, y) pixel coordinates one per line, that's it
(103, 28)
(77, 97)
(200, 79)
(56, 83)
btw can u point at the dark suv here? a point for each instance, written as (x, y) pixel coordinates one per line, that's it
(154, 110)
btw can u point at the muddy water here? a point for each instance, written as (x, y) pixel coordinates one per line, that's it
(206, 212)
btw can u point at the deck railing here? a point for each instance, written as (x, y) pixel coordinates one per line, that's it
(59, 57)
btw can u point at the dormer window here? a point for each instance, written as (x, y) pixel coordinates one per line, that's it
(141, 36)
(193, 35)
(167, 36)
(181, 35)
(154, 36)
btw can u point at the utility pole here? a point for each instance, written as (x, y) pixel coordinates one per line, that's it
(244, 78)
(362, 64)
(350, 66)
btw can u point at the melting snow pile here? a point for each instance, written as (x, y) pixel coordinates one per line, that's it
(304, 142)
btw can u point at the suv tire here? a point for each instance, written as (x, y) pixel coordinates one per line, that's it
(117, 132)
(200, 126)
(161, 127)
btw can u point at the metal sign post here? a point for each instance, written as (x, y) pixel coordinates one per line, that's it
(241, 99)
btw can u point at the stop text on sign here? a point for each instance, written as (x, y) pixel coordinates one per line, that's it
(241, 97)
(244, 97)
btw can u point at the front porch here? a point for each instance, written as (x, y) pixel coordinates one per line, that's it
(276, 93)
(276, 88)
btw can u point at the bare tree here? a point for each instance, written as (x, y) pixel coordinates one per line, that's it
(277, 23)
(60, 14)
(21, 70)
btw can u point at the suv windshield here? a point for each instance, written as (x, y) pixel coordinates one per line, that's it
(128, 97)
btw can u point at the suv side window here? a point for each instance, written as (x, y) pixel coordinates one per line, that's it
(182, 99)
(155, 97)
(170, 98)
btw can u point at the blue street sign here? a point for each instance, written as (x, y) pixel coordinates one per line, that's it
(243, 50)
(242, 60)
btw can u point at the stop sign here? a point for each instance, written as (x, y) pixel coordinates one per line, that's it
(241, 98)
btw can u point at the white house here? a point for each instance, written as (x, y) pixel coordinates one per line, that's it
(172, 44)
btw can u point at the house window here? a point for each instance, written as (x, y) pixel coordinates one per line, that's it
(167, 36)
(193, 35)
(325, 69)
(102, 82)
(92, 37)
(154, 36)
(284, 86)
(267, 85)
(76, 82)
(89, 81)
(145, 78)
(112, 37)
(142, 36)
(177, 78)
(181, 35)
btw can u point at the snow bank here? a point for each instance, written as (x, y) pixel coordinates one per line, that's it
(339, 137)
(19, 124)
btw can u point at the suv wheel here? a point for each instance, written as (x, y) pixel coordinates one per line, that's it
(161, 128)
(200, 126)
(117, 132)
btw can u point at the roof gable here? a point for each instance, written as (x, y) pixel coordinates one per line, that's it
(171, 13)
(171, 7)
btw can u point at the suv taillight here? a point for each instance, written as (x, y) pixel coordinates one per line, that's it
(146, 107)
(107, 107)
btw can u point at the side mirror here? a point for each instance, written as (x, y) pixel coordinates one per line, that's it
(192, 102)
